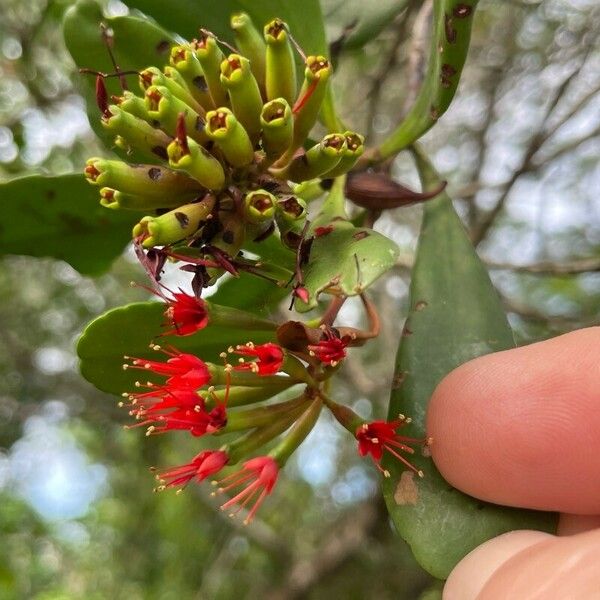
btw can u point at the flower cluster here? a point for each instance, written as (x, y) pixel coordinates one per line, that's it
(205, 398)
(223, 133)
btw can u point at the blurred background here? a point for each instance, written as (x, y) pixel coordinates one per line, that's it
(519, 148)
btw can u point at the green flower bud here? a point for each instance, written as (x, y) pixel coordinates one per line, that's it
(136, 133)
(319, 159)
(250, 43)
(354, 148)
(175, 225)
(143, 180)
(197, 162)
(259, 211)
(231, 137)
(246, 101)
(114, 199)
(307, 106)
(259, 206)
(165, 108)
(132, 104)
(173, 81)
(210, 56)
(280, 79)
(290, 216)
(277, 127)
(187, 64)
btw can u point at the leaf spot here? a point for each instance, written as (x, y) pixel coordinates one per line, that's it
(398, 380)
(420, 305)
(163, 46)
(182, 219)
(462, 11)
(407, 491)
(154, 173)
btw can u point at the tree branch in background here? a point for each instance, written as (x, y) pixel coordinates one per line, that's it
(348, 537)
(386, 68)
(482, 227)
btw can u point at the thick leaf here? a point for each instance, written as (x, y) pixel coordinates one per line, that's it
(186, 16)
(136, 44)
(62, 218)
(366, 20)
(449, 46)
(347, 260)
(248, 292)
(455, 316)
(128, 330)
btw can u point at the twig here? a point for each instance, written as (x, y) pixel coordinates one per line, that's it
(573, 267)
(482, 228)
(374, 93)
(347, 539)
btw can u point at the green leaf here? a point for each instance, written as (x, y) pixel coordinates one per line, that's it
(455, 316)
(136, 44)
(128, 330)
(448, 52)
(61, 217)
(346, 261)
(250, 293)
(186, 16)
(369, 19)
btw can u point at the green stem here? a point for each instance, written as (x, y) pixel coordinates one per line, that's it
(345, 416)
(298, 433)
(262, 415)
(257, 438)
(449, 47)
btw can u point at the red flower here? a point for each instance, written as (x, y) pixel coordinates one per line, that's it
(183, 370)
(330, 350)
(269, 358)
(187, 313)
(197, 421)
(373, 438)
(164, 398)
(259, 476)
(203, 465)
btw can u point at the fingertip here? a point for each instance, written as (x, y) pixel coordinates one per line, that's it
(522, 427)
(472, 573)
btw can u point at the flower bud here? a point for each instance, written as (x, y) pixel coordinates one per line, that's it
(246, 100)
(114, 199)
(277, 127)
(186, 155)
(187, 64)
(259, 206)
(354, 149)
(132, 104)
(175, 225)
(319, 159)
(250, 43)
(259, 211)
(165, 108)
(280, 79)
(136, 133)
(143, 180)
(290, 216)
(210, 56)
(307, 106)
(172, 80)
(223, 128)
